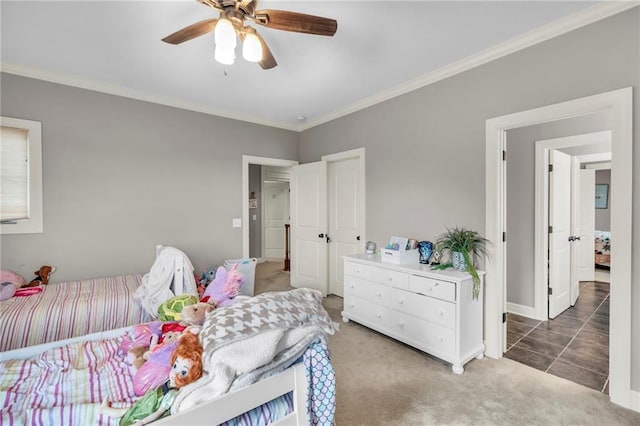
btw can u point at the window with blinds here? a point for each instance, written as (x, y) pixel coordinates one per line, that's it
(14, 174)
(20, 176)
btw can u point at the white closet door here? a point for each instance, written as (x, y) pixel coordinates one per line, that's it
(309, 226)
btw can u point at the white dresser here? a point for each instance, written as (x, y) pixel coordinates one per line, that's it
(433, 311)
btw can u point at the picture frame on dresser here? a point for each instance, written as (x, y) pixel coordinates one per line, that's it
(433, 311)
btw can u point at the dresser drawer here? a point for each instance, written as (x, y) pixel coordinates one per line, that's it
(435, 339)
(367, 290)
(391, 278)
(427, 308)
(358, 270)
(444, 290)
(363, 310)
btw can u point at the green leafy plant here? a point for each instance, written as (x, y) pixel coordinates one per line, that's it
(469, 244)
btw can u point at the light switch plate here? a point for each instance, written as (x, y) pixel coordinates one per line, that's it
(236, 222)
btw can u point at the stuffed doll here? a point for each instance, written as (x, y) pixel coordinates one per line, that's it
(158, 360)
(186, 361)
(224, 287)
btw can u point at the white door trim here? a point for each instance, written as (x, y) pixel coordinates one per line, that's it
(541, 237)
(263, 161)
(347, 155)
(620, 104)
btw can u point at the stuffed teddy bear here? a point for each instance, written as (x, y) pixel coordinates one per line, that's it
(42, 276)
(193, 316)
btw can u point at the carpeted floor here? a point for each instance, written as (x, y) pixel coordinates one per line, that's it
(383, 382)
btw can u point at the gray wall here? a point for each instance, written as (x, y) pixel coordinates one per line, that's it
(603, 216)
(122, 175)
(425, 150)
(521, 212)
(255, 226)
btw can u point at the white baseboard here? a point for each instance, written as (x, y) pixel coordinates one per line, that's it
(525, 311)
(635, 401)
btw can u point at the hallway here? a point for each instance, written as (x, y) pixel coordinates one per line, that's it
(574, 345)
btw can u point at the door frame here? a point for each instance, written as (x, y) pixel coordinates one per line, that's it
(262, 161)
(620, 104)
(541, 236)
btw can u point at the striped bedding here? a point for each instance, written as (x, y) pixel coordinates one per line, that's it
(65, 386)
(69, 309)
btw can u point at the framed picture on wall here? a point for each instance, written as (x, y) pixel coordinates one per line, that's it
(602, 195)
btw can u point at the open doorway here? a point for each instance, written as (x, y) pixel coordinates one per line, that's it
(564, 329)
(619, 103)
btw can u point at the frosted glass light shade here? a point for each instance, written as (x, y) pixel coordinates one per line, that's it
(251, 48)
(225, 56)
(225, 34)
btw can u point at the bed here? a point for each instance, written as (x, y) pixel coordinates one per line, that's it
(287, 377)
(75, 308)
(602, 255)
(68, 309)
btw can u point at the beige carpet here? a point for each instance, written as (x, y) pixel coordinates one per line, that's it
(383, 382)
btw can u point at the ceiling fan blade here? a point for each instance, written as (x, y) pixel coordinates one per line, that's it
(192, 31)
(296, 22)
(268, 61)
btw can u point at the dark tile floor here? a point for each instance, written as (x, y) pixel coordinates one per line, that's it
(574, 345)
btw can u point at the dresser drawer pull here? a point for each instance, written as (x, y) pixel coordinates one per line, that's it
(352, 286)
(352, 305)
(440, 312)
(401, 324)
(389, 278)
(400, 302)
(379, 294)
(440, 339)
(379, 315)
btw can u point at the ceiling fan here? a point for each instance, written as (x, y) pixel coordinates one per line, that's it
(231, 24)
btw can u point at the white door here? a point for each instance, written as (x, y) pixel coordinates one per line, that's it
(309, 226)
(275, 196)
(345, 227)
(587, 220)
(560, 222)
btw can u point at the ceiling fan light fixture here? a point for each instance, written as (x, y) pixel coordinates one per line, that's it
(225, 56)
(252, 48)
(225, 34)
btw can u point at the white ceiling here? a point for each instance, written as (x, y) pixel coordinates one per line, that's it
(381, 49)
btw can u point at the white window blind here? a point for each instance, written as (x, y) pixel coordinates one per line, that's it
(14, 174)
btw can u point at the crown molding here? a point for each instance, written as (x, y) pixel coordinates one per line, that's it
(549, 31)
(533, 37)
(74, 81)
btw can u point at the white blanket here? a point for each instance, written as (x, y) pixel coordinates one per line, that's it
(255, 338)
(156, 285)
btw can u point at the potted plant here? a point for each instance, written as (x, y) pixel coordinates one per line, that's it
(463, 246)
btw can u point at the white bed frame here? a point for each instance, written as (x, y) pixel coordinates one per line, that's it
(220, 409)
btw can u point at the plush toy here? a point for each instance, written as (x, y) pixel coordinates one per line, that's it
(135, 357)
(171, 309)
(42, 276)
(158, 360)
(194, 315)
(10, 282)
(224, 287)
(186, 362)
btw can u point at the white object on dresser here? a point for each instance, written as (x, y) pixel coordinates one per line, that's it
(433, 311)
